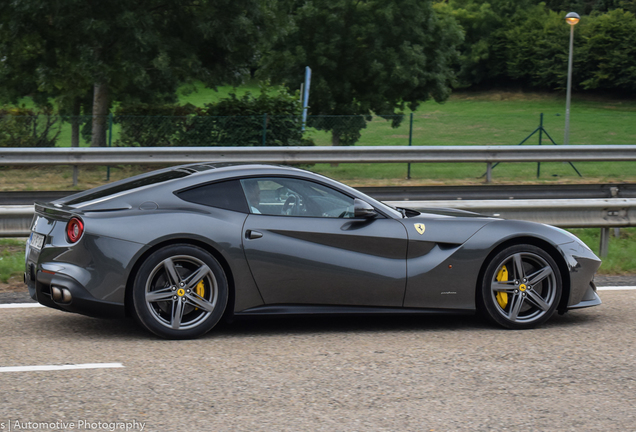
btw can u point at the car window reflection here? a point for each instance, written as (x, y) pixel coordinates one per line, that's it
(294, 197)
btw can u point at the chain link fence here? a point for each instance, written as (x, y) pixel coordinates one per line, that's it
(272, 130)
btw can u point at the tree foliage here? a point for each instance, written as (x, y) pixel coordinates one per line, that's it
(606, 58)
(366, 56)
(484, 24)
(526, 44)
(123, 51)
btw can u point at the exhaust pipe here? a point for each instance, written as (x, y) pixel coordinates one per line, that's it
(56, 293)
(61, 295)
(66, 296)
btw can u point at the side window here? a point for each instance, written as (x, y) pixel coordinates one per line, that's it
(293, 197)
(227, 195)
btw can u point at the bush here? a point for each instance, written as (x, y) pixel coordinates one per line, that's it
(146, 125)
(23, 127)
(274, 117)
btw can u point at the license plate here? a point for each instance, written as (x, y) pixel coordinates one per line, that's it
(37, 241)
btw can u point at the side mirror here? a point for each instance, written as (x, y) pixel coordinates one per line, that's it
(362, 209)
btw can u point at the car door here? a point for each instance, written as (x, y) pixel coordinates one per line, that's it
(304, 246)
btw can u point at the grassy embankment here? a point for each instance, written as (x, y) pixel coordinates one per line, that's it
(493, 118)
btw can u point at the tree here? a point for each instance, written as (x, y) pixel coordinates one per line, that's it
(537, 49)
(125, 51)
(366, 56)
(484, 23)
(604, 51)
(607, 60)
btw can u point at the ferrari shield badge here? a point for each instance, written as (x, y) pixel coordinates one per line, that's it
(420, 228)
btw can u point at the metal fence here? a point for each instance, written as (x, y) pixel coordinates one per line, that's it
(418, 129)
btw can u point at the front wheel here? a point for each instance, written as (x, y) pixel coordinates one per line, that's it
(521, 287)
(180, 292)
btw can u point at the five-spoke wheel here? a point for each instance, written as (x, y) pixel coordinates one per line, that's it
(521, 287)
(180, 292)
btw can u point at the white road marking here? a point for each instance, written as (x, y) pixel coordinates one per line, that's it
(60, 367)
(616, 288)
(19, 305)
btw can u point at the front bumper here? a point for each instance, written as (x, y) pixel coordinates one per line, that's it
(590, 299)
(582, 265)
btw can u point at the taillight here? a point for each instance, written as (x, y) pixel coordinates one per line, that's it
(74, 229)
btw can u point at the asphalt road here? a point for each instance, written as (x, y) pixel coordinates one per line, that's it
(431, 373)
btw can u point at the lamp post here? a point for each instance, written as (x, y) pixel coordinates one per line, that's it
(572, 18)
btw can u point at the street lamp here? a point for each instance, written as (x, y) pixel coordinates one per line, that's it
(572, 18)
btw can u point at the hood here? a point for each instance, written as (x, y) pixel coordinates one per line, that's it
(450, 212)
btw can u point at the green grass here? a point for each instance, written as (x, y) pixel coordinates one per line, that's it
(11, 258)
(198, 95)
(488, 118)
(621, 257)
(500, 119)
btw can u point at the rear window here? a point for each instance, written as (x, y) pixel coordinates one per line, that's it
(227, 195)
(129, 185)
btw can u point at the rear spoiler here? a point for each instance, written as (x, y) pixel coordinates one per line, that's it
(56, 210)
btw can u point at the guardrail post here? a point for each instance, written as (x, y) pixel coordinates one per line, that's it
(605, 234)
(488, 172)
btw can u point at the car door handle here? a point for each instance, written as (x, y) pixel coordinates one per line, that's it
(252, 235)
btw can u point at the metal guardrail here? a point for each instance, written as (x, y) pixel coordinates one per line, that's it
(15, 221)
(576, 213)
(416, 193)
(573, 213)
(301, 155)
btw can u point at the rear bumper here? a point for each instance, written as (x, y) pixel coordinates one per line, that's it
(81, 301)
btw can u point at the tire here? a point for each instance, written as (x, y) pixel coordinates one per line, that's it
(180, 292)
(521, 288)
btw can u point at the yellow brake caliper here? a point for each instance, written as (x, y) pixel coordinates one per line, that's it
(502, 297)
(200, 290)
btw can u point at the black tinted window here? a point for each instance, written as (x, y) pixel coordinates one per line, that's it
(132, 183)
(226, 195)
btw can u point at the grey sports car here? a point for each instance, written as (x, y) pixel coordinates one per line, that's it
(183, 247)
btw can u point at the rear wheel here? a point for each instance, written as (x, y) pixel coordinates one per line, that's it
(521, 287)
(180, 292)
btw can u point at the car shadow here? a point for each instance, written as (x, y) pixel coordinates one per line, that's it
(280, 325)
(80, 326)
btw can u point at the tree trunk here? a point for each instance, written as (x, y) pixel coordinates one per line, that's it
(335, 142)
(75, 132)
(75, 122)
(335, 138)
(100, 113)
